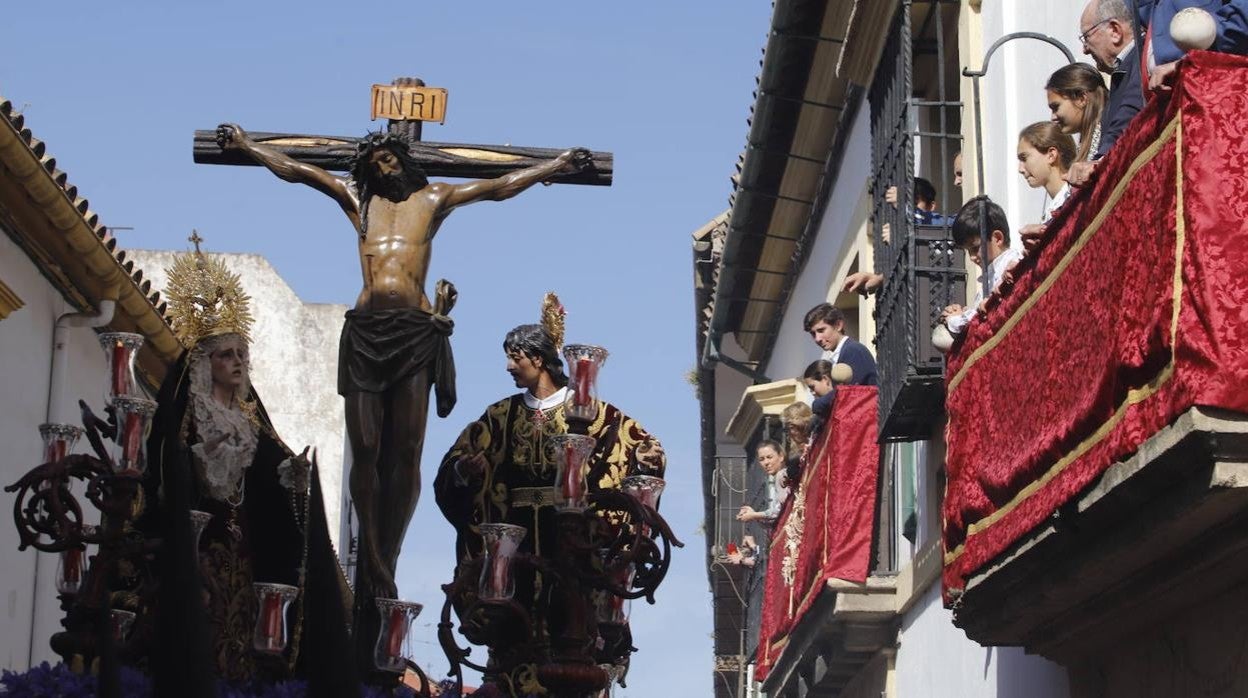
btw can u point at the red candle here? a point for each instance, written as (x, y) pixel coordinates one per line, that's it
(56, 450)
(572, 489)
(498, 573)
(398, 630)
(583, 378)
(132, 439)
(273, 618)
(121, 370)
(71, 564)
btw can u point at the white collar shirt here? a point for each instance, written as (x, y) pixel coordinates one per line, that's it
(994, 273)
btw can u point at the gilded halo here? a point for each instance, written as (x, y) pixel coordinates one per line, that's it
(205, 298)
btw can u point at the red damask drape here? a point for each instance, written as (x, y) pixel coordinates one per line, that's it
(825, 531)
(1134, 310)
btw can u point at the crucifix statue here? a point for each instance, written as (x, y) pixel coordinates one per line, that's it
(394, 344)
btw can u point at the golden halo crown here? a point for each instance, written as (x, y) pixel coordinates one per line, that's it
(553, 318)
(205, 298)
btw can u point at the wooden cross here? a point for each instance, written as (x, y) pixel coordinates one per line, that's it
(333, 153)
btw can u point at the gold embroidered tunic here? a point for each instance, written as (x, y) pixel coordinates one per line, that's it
(519, 478)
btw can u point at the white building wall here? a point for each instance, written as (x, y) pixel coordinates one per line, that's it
(29, 610)
(294, 365)
(936, 660)
(1013, 96)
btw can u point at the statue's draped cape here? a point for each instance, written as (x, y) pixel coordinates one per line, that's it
(280, 531)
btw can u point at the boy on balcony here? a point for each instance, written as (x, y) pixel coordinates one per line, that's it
(966, 234)
(826, 325)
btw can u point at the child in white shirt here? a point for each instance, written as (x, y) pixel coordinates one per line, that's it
(966, 234)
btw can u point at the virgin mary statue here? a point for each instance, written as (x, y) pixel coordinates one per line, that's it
(215, 459)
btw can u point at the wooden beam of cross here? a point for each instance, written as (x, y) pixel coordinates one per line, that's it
(463, 160)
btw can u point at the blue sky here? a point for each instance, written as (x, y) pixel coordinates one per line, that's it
(116, 90)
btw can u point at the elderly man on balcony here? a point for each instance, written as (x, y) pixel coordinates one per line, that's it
(1108, 36)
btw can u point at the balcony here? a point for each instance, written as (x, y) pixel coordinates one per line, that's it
(829, 607)
(923, 270)
(1098, 448)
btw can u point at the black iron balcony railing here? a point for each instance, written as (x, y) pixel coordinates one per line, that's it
(923, 270)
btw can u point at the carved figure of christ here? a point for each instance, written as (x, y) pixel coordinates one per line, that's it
(396, 212)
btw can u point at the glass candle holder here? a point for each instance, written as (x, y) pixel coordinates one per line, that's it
(199, 521)
(610, 608)
(396, 619)
(584, 361)
(571, 454)
(121, 621)
(58, 440)
(120, 348)
(614, 672)
(269, 636)
(501, 543)
(134, 420)
(646, 489)
(70, 566)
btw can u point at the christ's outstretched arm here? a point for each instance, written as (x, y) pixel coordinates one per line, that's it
(233, 137)
(509, 185)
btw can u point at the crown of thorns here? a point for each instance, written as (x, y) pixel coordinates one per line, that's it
(381, 139)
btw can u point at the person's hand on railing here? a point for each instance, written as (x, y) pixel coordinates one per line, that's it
(863, 282)
(1162, 77)
(1032, 235)
(747, 514)
(950, 311)
(1007, 277)
(1080, 173)
(890, 195)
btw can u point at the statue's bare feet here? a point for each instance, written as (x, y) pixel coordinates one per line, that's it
(381, 578)
(374, 575)
(384, 586)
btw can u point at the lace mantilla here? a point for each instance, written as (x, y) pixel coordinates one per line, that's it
(1096, 142)
(231, 427)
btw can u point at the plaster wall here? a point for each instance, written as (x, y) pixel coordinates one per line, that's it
(294, 365)
(1012, 94)
(935, 660)
(29, 610)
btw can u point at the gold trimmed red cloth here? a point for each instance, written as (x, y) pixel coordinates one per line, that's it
(826, 529)
(1133, 311)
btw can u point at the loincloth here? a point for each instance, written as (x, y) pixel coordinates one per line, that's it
(381, 348)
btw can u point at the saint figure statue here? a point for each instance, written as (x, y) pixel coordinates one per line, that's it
(214, 451)
(501, 469)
